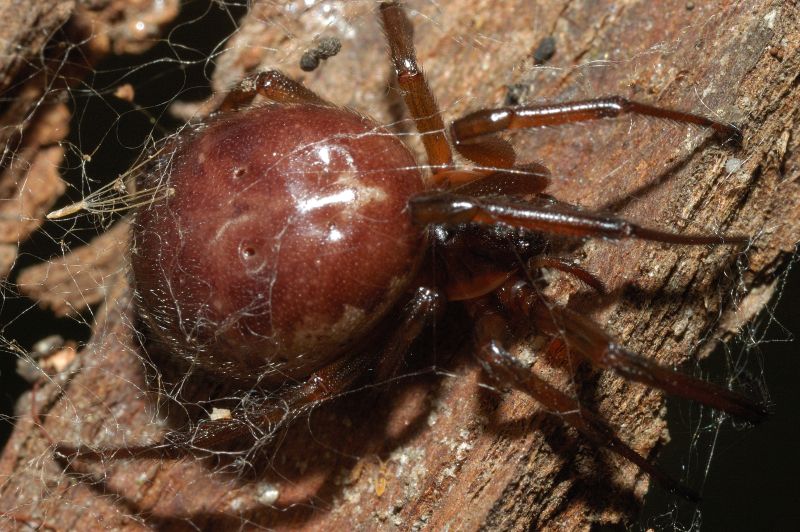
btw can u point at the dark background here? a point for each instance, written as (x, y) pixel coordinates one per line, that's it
(751, 481)
(753, 474)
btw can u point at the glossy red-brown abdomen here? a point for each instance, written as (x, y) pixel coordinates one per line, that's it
(285, 239)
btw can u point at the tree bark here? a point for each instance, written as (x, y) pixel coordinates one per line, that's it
(440, 450)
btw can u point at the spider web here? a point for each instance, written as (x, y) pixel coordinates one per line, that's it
(148, 88)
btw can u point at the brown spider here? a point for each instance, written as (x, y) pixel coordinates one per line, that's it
(297, 234)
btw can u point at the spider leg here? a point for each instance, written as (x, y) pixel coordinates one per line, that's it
(273, 85)
(423, 309)
(489, 152)
(521, 180)
(543, 214)
(464, 284)
(474, 128)
(321, 386)
(570, 268)
(419, 98)
(588, 340)
(505, 369)
(471, 280)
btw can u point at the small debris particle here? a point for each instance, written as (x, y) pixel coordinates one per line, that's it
(432, 418)
(60, 360)
(125, 92)
(309, 62)
(380, 481)
(770, 18)
(380, 486)
(352, 495)
(237, 504)
(420, 523)
(219, 413)
(326, 47)
(776, 52)
(689, 6)
(733, 164)
(545, 50)
(47, 345)
(516, 93)
(267, 494)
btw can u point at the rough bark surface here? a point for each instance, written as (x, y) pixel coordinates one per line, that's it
(437, 451)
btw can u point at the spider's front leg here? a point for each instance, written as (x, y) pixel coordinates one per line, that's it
(417, 94)
(476, 128)
(493, 153)
(323, 385)
(544, 214)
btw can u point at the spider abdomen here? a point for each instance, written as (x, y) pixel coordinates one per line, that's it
(285, 237)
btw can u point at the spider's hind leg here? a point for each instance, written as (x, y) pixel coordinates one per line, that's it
(276, 410)
(588, 340)
(505, 370)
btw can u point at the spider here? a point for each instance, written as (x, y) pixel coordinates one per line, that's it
(294, 236)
